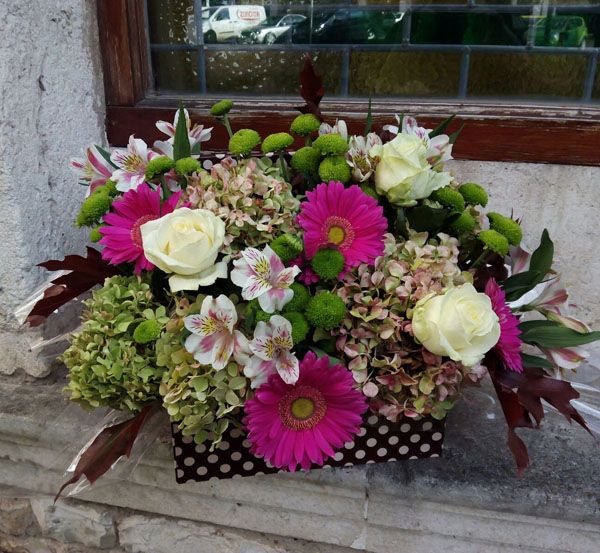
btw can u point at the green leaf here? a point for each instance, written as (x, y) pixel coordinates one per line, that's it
(106, 156)
(539, 266)
(541, 259)
(369, 123)
(535, 361)
(454, 136)
(181, 142)
(320, 353)
(231, 397)
(549, 334)
(237, 382)
(423, 218)
(441, 127)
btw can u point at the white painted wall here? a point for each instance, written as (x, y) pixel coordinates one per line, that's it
(52, 105)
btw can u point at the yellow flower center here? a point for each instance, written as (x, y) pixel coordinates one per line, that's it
(336, 235)
(302, 408)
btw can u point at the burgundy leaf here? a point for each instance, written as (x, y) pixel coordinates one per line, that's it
(311, 88)
(109, 445)
(521, 395)
(85, 273)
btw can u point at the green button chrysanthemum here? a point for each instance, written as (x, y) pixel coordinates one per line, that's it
(158, 166)
(300, 326)
(221, 108)
(449, 197)
(243, 142)
(464, 223)
(474, 194)
(187, 166)
(300, 300)
(325, 310)
(287, 247)
(305, 124)
(494, 241)
(328, 263)
(306, 160)
(277, 142)
(335, 168)
(507, 227)
(93, 208)
(331, 144)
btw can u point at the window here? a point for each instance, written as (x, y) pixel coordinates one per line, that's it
(523, 74)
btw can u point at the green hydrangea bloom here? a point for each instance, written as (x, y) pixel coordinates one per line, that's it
(107, 367)
(306, 160)
(474, 194)
(277, 142)
(158, 166)
(325, 310)
(95, 235)
(335, 168)
(187, 166)
(221, 108)
(328, 263)
(147, 331)
(201, 400)
(369, 191)
(92, 209)
(331, 144)
(449, 197)
(243, 142)
(300, 300)
(464, 223)
(494, 241)
(305, 124)
(507, 227)
(300, 326)
(287, 247)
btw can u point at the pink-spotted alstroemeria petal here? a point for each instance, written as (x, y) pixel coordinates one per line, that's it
(519, 260)
(222, 350)
(282, 332)
(287, 366)
(221, 309)
(99, 162)
(275, 299)
(241, 348)
(566, 358)
(567, 321)
(552, 296)
(194, 344)
(258, 371)
(262, 344)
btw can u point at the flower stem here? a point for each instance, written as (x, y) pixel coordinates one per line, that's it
(483, 255)
(227, 125)
(283, 167)
(308, 140)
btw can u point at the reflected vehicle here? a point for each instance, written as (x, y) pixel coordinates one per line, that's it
(562, 30)
(347, 26)
(272, 29)
(226, 23)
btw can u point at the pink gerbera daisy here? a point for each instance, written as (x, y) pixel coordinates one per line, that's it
(509, 345)
(304, 423)
(122, 238)
(343, 218)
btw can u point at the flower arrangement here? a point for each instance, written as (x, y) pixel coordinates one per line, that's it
(303, 281)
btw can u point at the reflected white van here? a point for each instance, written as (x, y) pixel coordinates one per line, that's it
(227, 22)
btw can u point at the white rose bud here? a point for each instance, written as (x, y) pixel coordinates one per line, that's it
(460, 324)
(185, 243)
(403, 173)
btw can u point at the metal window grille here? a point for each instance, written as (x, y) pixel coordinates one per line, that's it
(408, 10)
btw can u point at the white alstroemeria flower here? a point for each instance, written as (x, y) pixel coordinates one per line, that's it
(214, 340)
(131, 164)
(196, 134)
(94, 170)
(340, 128)
(358, 156)
(263, 275)
(271, 348)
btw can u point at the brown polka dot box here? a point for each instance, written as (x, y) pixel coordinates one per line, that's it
(377, 441)
(313, 298)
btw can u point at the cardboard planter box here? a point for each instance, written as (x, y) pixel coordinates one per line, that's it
(378, 441)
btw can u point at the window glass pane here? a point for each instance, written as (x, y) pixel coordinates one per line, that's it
(423, 48)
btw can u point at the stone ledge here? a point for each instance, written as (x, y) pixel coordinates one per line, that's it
(470, 500)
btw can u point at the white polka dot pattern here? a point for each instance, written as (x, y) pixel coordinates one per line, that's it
(378, 441)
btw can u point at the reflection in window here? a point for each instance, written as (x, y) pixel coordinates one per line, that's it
(536, 50)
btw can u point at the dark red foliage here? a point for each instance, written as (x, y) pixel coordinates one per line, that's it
(311, 88)
(85, 273)
(110, 444)
(521, 395)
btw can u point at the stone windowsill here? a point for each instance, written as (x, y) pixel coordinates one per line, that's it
(470, 500)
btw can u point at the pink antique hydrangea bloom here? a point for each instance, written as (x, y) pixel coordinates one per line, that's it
(214, 339)
(302, 424)
(263, 275)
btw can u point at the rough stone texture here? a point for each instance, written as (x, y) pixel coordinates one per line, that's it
(63, 522)
(16, 516)
(52, 106)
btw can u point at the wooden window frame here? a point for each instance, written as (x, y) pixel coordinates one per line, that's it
(568, 134)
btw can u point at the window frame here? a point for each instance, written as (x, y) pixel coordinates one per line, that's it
(493, 131)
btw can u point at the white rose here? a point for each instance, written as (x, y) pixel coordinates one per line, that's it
(403, 173)
(460, 324)
(186, 243)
